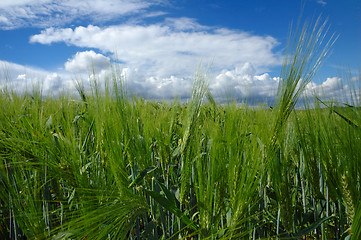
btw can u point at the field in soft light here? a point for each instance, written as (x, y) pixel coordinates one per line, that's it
(113, 167)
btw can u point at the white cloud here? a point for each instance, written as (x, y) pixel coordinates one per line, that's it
(169, 48)
(244, 83)
(184, 24)
(87, 61)
(333, 87)
(240, 83)
(11, 3)
(332, 84)
(355, 79)
(45, 13)
(156, 87)
(4, 20)
(22, 79)
(322, 2)
(160, 59)
(154, 14)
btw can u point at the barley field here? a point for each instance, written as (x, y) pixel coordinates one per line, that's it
(108, 165)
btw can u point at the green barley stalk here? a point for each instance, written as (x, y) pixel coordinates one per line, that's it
(306, 51)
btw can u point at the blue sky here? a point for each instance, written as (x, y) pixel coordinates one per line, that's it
(159, 45)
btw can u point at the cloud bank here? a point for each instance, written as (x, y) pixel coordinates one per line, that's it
(241, 83)
(46, 13)
(158, 60)
(22, 79)
(173, 47)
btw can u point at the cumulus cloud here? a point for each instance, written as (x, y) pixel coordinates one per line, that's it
(336, 89)
(87, 61)
(156, 87)
(170, 48)
(23, 79)
(243, 83)
(331, 87)
(45, 13)
(160, 60)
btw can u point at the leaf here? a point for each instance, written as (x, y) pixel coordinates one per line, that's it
(356, 223)
(312, 227)
(349, 121)
(141, 175)
(171, 207)
(168, 193)
(87, 136)
(176, 152)
(49, 123)
(76, 119)
(71, 196)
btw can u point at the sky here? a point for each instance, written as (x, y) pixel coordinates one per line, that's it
(158, 46)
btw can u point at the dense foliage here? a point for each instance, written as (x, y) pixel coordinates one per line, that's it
(110, 166)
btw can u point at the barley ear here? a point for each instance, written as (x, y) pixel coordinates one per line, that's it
(350, 210)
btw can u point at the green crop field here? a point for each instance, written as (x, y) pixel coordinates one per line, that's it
(106, 165)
